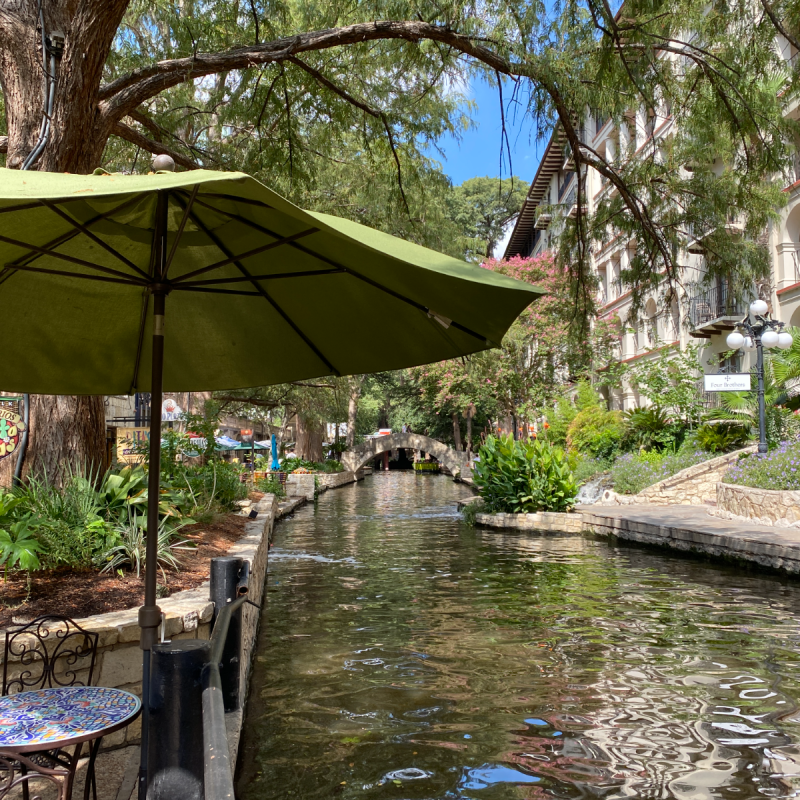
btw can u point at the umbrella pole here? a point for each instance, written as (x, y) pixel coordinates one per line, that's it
(150, 613)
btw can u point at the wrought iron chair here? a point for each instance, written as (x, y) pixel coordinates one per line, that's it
(47, 653)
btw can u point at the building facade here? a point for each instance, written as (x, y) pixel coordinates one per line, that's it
(695, 313)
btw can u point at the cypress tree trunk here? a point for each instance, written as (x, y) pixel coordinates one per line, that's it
(62, 429)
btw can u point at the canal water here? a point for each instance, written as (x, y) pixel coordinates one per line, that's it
(405, 655)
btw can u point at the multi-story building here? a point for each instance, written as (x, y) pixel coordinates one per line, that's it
(694, 313)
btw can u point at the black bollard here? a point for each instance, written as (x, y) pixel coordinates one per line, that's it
(175, 751)
(226, 585)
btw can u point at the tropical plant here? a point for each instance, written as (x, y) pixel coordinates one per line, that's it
(131, 551)
(19, 548)
(652, 429)
(723, 436)
(519, 477)
(597, 432)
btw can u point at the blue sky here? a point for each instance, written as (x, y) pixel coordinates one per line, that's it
(478, 152)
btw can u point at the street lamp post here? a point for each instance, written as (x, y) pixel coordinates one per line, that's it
(760, 331)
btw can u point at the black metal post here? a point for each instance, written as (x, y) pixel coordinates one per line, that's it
(762, 412)
(150, 613)
(175, 758)
(226, 578)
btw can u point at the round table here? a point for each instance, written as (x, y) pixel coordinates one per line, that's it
(51, 719)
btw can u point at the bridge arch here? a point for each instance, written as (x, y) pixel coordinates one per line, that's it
(359, 456)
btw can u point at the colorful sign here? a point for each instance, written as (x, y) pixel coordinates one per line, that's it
(171, 411)
(130, 444)
(11, 428)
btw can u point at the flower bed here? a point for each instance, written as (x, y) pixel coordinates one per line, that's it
(777, 470)
(633, 472)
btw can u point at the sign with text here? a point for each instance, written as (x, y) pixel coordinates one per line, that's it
(735, 382)
(130, 444)
(171, 411)
(11, 428)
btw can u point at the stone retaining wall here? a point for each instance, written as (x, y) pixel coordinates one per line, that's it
(695, 485)
(302, 484)
(552, 521)
(762, 506)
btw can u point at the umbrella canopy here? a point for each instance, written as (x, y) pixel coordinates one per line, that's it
(254, 285)
(206, 280)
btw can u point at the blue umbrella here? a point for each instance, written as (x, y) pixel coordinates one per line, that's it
(275, 465)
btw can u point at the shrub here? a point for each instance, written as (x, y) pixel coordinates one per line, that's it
(131, 550)
(596, 432)
(631, 473)
(518, 477)
(778, 469)
(271, 486)
(723, 437)
(584, 468)
(560, 420)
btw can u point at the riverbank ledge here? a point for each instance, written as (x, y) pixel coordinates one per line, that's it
(762, 506)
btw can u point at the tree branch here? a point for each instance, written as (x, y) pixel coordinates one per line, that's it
(779, 26)
(129, 91)
(140, 140)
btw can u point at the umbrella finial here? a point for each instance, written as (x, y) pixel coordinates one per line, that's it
(164, 163)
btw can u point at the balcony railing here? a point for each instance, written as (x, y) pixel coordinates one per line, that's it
(564, 185)
(714, 310)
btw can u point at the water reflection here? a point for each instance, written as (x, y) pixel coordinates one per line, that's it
(404, 655)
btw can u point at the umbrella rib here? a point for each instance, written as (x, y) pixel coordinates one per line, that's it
(355, 274)
(126, 280)
(263, 292)
(140, 341)
(210, 290)
(233, 199)
(181, 228)
(234, 259)
(274, 276)
(96, 239)
(71, 259)
(59, 240)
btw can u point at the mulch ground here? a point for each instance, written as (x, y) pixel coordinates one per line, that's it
(81, 594)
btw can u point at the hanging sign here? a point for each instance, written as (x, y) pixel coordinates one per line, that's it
(11, 428)
(724, 382)
(171, 411)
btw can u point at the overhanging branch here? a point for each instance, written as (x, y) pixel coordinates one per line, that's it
(129, 91)
(140, 140)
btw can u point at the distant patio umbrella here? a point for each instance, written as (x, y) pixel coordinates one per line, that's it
(92, 265)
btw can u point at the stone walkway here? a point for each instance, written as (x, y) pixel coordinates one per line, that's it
(693, 529)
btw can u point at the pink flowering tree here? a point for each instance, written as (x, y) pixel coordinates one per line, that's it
(522, 378)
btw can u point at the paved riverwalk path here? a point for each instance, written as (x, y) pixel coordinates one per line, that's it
(693, 529)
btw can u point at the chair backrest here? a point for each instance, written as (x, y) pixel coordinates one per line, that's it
(48, 652)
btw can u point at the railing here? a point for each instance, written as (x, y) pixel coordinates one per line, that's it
(712, 304)
(217, 772)
(616, 288)
(599, 121)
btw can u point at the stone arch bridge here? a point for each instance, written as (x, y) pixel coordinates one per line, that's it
(357, 457)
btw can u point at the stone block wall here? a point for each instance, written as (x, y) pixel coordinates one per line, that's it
(695, 485)
(300, 485)
(762, 506)
(552, 521)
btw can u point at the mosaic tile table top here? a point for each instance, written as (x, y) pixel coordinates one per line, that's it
(55, 716)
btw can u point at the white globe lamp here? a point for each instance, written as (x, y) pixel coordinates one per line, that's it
(785, 340)
(769, 339)
(735, 340)
(758, 308)
(749, 344)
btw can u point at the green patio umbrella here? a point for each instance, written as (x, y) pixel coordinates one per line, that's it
(206, 280)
